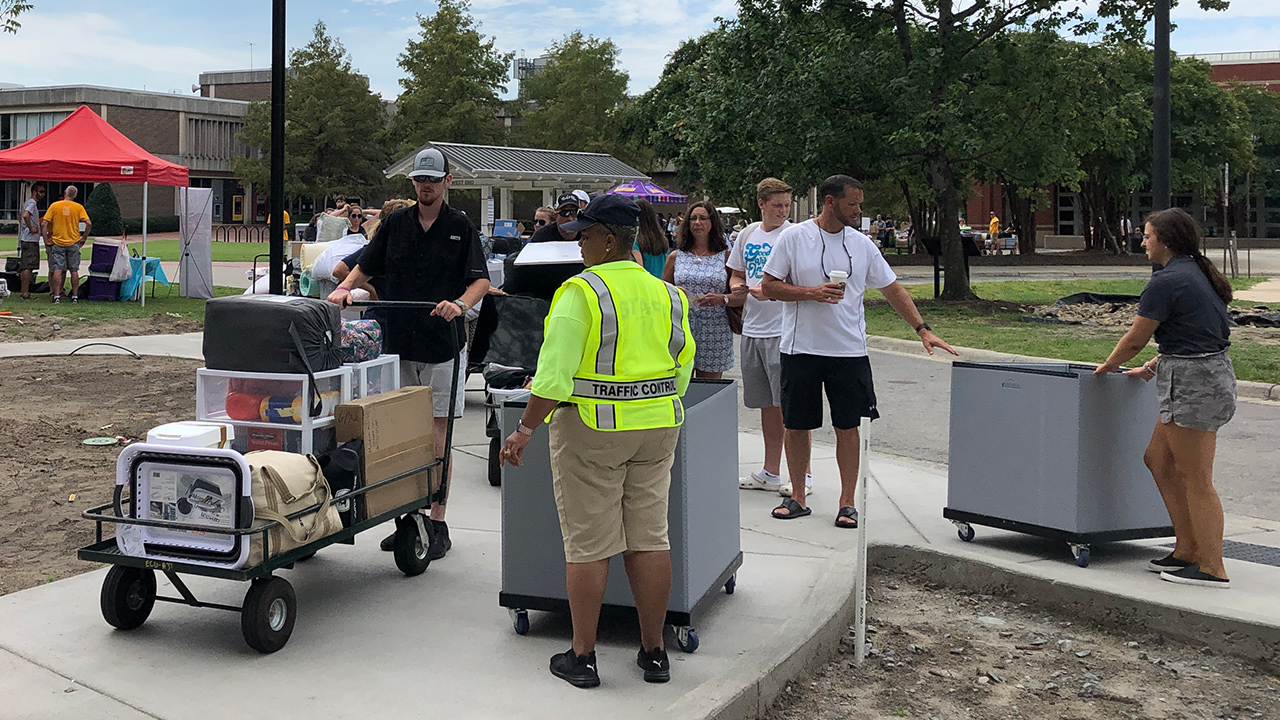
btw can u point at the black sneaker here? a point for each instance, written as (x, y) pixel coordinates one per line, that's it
(577, 670)
(388, 543)
(1168, 563)
(440, 542)
(654, 663)
(1191, 575)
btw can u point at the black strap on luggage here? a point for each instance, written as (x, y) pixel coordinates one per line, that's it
(316, 406)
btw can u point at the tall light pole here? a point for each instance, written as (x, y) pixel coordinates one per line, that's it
(1160, 141)
(276, 283)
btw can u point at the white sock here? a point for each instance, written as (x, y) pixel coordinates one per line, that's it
(768, 475)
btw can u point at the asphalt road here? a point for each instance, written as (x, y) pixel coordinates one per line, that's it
(914, 394)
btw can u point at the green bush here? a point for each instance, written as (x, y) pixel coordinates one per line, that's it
(156, 224)
(104, 210)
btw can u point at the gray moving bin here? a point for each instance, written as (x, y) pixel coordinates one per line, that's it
(704, 526)
(1052, 450)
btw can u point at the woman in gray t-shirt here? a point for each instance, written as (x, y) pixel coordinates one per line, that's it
(1185, 307)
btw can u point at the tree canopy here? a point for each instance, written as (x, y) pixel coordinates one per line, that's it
(453, 78)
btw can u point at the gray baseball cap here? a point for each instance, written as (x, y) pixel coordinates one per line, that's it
(429, 163)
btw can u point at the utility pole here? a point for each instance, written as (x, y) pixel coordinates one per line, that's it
(277, 149)
(250, 54)
(1160, 188)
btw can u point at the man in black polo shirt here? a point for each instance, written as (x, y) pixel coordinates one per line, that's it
(430, 252)
(542, 281)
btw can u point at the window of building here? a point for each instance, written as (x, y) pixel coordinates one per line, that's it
(17, 128)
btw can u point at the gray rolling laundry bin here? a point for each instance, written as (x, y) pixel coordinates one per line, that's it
(1052, 450)
(703, 517)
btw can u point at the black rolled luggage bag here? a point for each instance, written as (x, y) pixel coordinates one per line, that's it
(271, 334)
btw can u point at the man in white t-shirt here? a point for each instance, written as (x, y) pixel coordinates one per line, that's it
(29, 239)
(824, 343)
(762, 331)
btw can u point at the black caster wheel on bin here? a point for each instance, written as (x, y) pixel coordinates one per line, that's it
(128, 594)
(495, 462)
(731, 584)
(266, 620)
(410, 551)
(965, 531)
(687, 639)
(1081, 553)
(520, 621)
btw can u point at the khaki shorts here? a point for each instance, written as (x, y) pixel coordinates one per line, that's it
(437, 376)
(611, 488)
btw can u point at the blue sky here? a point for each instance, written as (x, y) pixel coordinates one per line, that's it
(165, 44)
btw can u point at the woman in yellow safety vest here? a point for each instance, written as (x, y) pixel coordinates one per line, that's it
(616, 357)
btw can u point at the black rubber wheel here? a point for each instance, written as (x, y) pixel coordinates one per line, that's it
(731, 584)
(410, 552)
(966, 533)
(521, 622)
(495, 462)
(266, 620)
(128, 594)
(1082, 559)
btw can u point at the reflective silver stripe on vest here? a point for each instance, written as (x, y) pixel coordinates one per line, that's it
(608, 351)
(676, 345)
(638, 390)
(679, 410)
(605, 418)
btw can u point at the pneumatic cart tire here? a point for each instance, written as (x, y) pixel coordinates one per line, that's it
(495, 462)
(128, 595)
(266, 620)
(410, 552)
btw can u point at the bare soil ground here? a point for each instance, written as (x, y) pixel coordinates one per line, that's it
(36, 328)
(939, 653)
(1119, 316)
(48, 405)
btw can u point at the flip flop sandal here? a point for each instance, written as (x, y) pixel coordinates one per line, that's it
(847, 512)
(793, 509)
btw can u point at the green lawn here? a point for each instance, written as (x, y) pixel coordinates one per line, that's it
(188, 308)
(168, 249)
(965, 325)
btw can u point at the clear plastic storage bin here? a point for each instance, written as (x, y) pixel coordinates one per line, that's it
(282, 399)
(374, 377)
(317, 440)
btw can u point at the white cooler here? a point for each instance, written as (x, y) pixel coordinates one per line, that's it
(193, 433)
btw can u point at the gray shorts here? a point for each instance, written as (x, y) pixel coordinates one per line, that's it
(1196, 392)
(761, 372)
(64, 258)
(436, 376)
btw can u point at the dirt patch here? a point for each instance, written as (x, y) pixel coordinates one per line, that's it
(48, 405)
(938, 653)
(1120, 316)
(33, 328)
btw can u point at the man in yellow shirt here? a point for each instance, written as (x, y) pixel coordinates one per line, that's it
(65, 225)
(993, 230)
(286, 224)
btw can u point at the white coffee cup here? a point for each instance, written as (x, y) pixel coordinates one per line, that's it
(839, 276)
(82, 226)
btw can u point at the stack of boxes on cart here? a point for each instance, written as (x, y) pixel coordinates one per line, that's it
(275, 390)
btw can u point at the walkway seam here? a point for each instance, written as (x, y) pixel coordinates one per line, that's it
(81, 683)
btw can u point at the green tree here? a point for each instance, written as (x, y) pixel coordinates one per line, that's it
(1261, 176)
(572, 103)
(104, 210)
(9, 12)
(454, 76)
(335, 127)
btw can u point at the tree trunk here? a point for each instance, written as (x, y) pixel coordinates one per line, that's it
(956, 286)
(1024, 218)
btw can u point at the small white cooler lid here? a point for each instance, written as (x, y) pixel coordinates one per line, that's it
(192, 433)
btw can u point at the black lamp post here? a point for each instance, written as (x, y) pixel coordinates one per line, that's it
(277, 149)
(1160, 189)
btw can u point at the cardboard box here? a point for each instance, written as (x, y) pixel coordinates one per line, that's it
(398, 429)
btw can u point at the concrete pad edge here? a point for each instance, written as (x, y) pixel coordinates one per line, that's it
(1257, 642)
(749, 688)
(1245, 388)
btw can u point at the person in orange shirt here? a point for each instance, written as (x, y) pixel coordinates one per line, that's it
(65, 225)
(993, 231)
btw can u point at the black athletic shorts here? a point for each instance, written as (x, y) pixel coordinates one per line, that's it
(847, 381)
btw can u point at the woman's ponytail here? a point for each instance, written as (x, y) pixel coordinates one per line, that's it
(1178, 231)
(1220, 284)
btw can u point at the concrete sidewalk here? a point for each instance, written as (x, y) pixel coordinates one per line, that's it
(371, 643)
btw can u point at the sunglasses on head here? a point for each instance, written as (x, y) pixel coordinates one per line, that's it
(428, 179)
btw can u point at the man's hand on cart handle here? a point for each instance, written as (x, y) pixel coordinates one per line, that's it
(448, 309)
(340, 297)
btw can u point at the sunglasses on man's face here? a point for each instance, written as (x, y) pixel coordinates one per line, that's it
(428, 179)
(571, 212)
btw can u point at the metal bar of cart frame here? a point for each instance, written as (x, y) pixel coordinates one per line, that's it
(129, 591)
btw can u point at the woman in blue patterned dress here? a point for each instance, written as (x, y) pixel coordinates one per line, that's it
(697, 267)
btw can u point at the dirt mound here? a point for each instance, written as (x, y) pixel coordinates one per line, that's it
(38, 328)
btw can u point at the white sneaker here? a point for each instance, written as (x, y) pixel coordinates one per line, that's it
(785, 490)
(757, 481)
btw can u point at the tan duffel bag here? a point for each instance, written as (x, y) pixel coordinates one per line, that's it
(284, 483)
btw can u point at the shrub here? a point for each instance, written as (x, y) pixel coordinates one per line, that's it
(104, 210)
(155, 224)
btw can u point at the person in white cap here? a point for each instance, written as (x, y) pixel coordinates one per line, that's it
(583, 198)
(430, 252)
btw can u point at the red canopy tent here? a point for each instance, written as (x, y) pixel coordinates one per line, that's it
(85, 147)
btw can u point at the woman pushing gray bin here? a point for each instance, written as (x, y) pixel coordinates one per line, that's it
(703, 517)
(1052, 450)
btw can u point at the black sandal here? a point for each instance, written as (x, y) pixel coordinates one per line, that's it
(793, 510)
(847, 512)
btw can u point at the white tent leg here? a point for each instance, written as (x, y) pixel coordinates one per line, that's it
(142, 287)
(860, 578)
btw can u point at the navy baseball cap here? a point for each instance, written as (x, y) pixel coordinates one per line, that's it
(608, 209)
